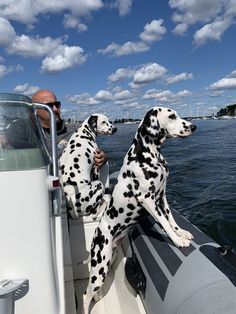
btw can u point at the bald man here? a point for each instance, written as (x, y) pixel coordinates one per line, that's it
(64, 132)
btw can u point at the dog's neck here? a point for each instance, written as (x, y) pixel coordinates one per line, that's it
(154, 142)
(89, 130)
(92, 130)
(143, 146)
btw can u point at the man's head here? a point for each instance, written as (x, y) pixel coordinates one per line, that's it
(47, 97)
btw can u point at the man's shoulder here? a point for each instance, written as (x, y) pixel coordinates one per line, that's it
(71, 128)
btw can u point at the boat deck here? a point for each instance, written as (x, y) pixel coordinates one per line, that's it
(119, 297)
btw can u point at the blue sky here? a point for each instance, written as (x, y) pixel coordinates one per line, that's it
(121, 57)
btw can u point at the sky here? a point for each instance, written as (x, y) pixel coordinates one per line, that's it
(121, 57)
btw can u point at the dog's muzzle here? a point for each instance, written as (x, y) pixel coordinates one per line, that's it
(114, 130)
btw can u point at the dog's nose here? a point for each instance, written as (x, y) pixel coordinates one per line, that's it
(193, 127)
(114, 130)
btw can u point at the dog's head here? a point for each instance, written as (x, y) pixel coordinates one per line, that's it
(101, 125)
(165, 122)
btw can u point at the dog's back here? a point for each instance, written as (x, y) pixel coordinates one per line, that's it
(83, 189)
(78, 156)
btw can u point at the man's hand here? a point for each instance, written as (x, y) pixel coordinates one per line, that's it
(100, 158)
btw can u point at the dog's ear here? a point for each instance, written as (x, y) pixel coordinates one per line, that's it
(92, 121)
(150, 125)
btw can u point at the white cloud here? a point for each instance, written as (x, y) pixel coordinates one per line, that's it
(71, 21)
(153, 31)
(103, 95)
(122, 73)
(62, 58)
(26, 89)
(83, 99)
(7, 32)
(225, 83)
(181, 29)
(212, 31)
(184, 93)
(216, 16)
(133, 105)
(189, 12)
(232, 74)
(156, 94)
(27, 11)
(124, 6)
(32, 47)
(166, 96)
(123, 95)
(22, 11)
(82, 28)
(58, 56)
(216, 94)
(4, 70)
(149, 73)
(125, 49)
(179, 77)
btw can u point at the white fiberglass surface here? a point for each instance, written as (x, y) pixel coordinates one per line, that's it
(26, 239)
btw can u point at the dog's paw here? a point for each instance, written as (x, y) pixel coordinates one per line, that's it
(181, 242)
(184, 234)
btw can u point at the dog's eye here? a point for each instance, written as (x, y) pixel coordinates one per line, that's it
(103, 122)
(172, 116)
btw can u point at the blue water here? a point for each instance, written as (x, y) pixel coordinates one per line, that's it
(202, 180)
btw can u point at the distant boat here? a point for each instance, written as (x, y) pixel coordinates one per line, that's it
(228, 117)
(131, 122)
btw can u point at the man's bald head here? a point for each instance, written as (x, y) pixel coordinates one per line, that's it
(45, 96)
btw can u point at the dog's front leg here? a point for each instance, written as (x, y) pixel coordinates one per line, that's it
(179, 231)
(155, 211)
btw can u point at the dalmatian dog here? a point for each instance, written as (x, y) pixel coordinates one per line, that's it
(140, 190)
(85, 193)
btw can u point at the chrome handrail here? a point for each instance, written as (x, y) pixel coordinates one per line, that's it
(53, 159)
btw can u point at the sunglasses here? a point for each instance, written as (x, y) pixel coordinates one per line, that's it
(57, 104)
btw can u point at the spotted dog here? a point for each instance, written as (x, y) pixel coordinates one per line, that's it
(140, 190)
(83, 190)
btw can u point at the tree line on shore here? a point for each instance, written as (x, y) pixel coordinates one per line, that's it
(229, 110)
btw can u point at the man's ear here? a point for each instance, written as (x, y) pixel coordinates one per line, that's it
(92, 121)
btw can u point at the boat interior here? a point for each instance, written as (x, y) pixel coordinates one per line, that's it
(118, 293)
(43, 250)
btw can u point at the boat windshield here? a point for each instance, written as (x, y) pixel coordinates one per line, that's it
(20, 143)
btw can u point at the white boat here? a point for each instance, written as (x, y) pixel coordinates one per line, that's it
(42, 250)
